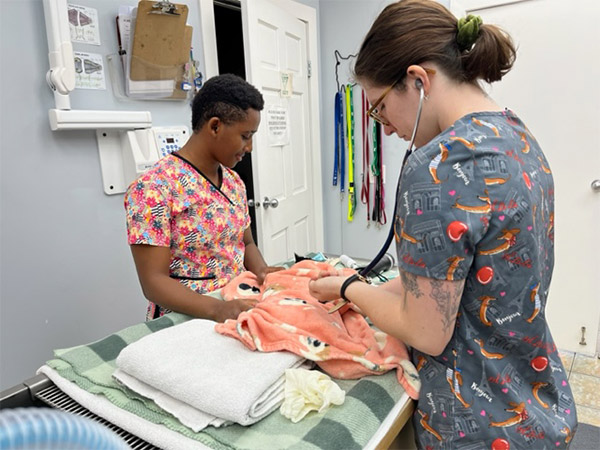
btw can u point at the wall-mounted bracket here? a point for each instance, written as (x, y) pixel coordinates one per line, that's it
(126, 154)
(98, 120)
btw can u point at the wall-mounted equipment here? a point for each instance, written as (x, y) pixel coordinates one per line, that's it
(127, 143)
(126, 155)
(61, 79)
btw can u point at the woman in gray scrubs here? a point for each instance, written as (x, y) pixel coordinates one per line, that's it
(474, 236)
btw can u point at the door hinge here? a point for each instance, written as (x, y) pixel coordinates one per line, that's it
(309, 69)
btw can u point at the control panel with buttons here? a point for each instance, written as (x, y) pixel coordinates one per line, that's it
(170, 139)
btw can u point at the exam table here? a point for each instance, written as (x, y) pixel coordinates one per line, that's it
(375, 405)
(40, 391)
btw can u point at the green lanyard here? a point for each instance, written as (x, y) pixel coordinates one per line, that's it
(375, 163)
(350, 131)
(376, 168)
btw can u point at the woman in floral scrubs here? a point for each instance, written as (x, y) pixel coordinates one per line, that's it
(474, 229)
(187, 217)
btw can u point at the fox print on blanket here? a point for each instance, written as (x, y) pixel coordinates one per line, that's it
(288, 318)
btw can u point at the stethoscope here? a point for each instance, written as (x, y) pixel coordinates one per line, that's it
(366, 270)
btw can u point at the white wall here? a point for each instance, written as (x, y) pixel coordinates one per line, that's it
(66, 273)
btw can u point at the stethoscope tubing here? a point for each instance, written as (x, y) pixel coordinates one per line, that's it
(367, 269)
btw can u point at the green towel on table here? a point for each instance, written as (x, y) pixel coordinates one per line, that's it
(350, 426)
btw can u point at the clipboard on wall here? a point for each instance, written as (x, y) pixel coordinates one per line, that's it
(184, 56)
(159, 41)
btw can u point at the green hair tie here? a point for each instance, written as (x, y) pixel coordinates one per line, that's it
(468, 31)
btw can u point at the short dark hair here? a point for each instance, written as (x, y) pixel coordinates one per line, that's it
(227, 97)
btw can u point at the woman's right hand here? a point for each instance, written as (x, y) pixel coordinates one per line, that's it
(231, 309)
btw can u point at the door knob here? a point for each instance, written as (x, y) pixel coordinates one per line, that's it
(252, 203)
(273, 203)
(596, 185)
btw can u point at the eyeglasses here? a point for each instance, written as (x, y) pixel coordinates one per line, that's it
(374, 114)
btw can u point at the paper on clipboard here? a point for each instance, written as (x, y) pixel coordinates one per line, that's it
(140, 89)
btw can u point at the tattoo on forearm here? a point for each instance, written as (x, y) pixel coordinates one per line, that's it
(446, 303)
(409, 283)
(458, 287)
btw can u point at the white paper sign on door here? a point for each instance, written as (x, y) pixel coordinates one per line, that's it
(278, 128)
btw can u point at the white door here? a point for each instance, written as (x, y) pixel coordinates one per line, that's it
(275, 45)
(554, 87)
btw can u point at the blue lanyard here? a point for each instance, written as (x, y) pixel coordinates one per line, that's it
(336, 159)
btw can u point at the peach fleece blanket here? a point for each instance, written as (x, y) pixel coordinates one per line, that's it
(288, 318)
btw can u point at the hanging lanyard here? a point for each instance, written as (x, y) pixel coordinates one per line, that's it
(365, 192)
(378, 214)
(342, 134)
(375, 171)
(382, 216)
(336, 156)
(350, 128)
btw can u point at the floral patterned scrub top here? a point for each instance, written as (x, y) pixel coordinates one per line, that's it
(477, 203)
(174, 205)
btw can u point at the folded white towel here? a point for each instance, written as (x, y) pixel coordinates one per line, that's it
(188, 415)
(191, 363)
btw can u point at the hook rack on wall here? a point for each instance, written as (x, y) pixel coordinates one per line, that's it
(338, 61)
(345, 149)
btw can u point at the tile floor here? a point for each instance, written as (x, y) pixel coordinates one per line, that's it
(584, 376)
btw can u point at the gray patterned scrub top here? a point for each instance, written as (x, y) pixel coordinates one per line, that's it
(477, 203)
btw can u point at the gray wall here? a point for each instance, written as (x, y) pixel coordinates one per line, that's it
(343, 25)
(66, 273)
(67, 276)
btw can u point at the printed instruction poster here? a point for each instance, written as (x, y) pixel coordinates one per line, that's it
(83, 23)
(278, 129)
(89, 71)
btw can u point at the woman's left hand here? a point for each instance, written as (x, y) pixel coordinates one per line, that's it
(326, 288)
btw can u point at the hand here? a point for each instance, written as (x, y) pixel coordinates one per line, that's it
(231, 309)
(326, 288)
(266, 271)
